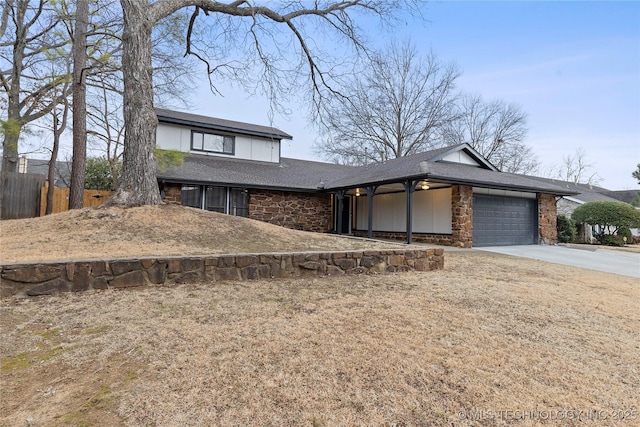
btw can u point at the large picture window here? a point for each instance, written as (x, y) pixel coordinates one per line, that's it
(212, 143)
(232, 201)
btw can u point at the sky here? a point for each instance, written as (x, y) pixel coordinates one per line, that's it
(573, 66)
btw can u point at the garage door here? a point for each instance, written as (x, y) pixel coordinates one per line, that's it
(501, 220)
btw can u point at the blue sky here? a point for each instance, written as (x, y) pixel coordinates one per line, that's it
(574, 67)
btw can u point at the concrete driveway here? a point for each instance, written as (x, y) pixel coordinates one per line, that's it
(593, 258)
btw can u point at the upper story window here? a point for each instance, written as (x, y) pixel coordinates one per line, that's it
(212, 143)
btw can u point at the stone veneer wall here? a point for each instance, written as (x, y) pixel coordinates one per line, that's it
(35, 279)
(299, 211)
(462, 216)
(547, 219)
(172, 194)
(433, 239)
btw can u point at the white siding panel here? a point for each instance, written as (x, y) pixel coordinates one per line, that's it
(460, 157)
(431, 212)
(168, 137)
(262, 150)
(172, 137)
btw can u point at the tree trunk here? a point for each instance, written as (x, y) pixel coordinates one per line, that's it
(10, 152)
(138, 184)
(79, 162)
(52, 166)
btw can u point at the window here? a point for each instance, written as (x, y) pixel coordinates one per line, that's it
(239, 202)
(209, 142)
(215, 199)
(191, 196)
(232, 201)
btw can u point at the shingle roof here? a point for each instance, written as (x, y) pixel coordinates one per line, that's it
(422, 166)
(626, 196)
(288, 174)
(582, 192)
(212, 123)
(294, 174)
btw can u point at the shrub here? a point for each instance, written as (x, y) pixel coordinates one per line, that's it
(566, 229)
(611, 240)
(609, 216)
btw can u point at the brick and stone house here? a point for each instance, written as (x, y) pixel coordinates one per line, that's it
(449, 196)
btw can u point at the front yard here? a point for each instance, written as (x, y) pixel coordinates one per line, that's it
(489, 340)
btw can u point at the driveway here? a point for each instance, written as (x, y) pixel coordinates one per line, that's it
(607, 260)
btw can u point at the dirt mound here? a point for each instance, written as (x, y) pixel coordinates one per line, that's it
(152, 231)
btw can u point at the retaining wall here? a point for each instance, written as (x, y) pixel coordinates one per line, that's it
(33, 279)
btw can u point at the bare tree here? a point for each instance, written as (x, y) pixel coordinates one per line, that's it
(79, 49)
(30, 34)
(138, 184)
(397, 105)
(496, 130)
(59, 125)
(575, 169)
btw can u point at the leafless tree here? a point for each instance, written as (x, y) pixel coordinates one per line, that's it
(31, 33)
(495, 129)
(79, 92)
(396, 105)
(264, 22)
(576, 169)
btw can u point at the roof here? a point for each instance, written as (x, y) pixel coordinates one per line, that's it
(212, 123)
(303, 175)
(289, 174)
(626, 196)
(581, 192)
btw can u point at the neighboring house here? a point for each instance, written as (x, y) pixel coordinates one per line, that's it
(62, 173)
(450, 196)
(584, 193)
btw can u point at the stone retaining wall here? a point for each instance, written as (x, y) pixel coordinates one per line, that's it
(429, 238)
(49, 278)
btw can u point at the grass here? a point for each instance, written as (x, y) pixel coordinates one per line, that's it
(488, 337)
(154, 231)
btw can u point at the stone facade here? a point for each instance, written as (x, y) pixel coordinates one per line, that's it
(172, 194)
(299, 211)
(547, 219)
(50, 278)
(462, 216)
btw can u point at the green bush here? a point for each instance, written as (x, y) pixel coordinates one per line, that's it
(609, 216)
(566, 229)
(98, 174)
(611, 240)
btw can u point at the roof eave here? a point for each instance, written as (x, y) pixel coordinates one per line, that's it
(193, 123)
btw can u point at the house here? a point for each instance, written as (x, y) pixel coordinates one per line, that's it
(62, 171)
(584, 193)
(449, 196)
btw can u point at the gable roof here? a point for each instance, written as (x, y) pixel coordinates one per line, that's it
(212, 123)
(466, 148)
(304, 175)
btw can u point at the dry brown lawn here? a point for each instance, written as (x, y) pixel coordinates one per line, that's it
(153, 231)
(489, 340)
(505, 340)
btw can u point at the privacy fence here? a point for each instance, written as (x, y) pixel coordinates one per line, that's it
(24, 195)
(20, 195)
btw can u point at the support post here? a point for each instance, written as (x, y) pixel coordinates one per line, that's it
(409, 188)
(340, 195)
(371, 191)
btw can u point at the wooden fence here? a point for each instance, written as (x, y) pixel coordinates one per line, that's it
(20, 195)
(61, 198)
